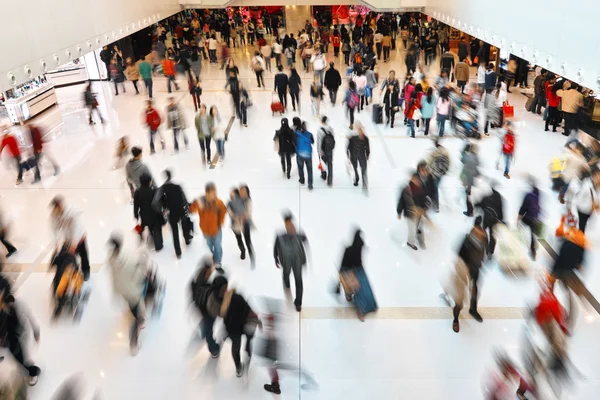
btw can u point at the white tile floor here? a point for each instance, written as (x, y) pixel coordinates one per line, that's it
(392, 358)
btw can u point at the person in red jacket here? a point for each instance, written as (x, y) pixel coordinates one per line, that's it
(508, 149)
(153, 122)
(553, 101)
(37, 142)
(9, 140)
(169, 71)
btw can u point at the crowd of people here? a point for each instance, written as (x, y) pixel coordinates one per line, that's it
(470, 107)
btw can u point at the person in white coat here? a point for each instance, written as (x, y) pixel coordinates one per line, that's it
(129, 278)
(583, 194)
(481, 77)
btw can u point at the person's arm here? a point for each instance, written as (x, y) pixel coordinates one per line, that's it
(367, 147)
(222, 213)
(276, 252)
(25, 314)
(136, 204)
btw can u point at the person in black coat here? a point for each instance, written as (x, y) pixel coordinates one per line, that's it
(143, 211)
(492, 207)
(285, 140)
(106, 56)
(352, 258)
(390, 100)
(333, 81)
(170, 197)
(280, 85)
(463, 52)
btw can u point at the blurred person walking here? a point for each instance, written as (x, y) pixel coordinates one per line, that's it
(212, 212)
(359, 152)
(153, 121)
(290, 256)
(508, 149)
(529, 215)
(438, 164)
(4, 228)
(390, 100)
(134, 170)
(333, 81)
(280, 85)
(9, 140)
(352, 101)
(176, 121)
(145, 212)
(304, 142)
(492, 206)
(285, 144)
(128, 279)
(427, 106)
(583, 194)
(325, 146)
(204, 125)
(258, 66)
(218, 133)
(117, 76)
(169, 71)
(295, 87)
(91, 103)
(470, 171)
(170, 198)
(132, 73)
(68, 231)
(240, 213)
(316, 96)
(205, 298)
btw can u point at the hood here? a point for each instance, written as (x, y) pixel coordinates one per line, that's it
(135, 165)
(489, 72)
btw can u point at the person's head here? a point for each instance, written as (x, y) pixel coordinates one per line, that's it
(280, 68)
(129, 61)
(288, 222)
(113, 61)
(418, 88)
(210, 191)
(148, 104)
(231, 63)
(220, 286)
(359, 129)
(392, 75)
(352, 85)
(490, 66)
(105, 47)
(429, 94)
(331, 65)
(284, 123)
(213, 111)
(303, 126)
(171, 100)
(202, 109)
(168, 175)
(422, 168)
(244, 191)
(412, 80)
(145, 180)
(294, 72)
(444, 74)
(136, 152)
(256, 53)
(57, 206)
(297, 123)
(234, 194)
(324, 120)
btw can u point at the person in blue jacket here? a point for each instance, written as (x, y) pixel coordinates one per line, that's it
(304, 142)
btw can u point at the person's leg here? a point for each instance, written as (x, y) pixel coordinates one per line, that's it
(363, 172)
(299, 285)
(218, 249)
(257, 73)
(354, 162)
(362, 102)
(9, 246)
(288, 159)
(492, 245)
(207, 140)
(412, 231)
(300, 162)
(156, 231)
(175, 143)
(351, 110)
(329, 163)
(426, 122)
(248, 240)
(236, 345)
(469, 204)
(507, 159)
(151, 134)
(282, 158)
(309, 170)
(135, 327)
(135, 82)
(16, 349)
(411, 126)
(37, 175)
(583, 220)
(174, 223)
(474, 275)
(82, 251)
(262, 80)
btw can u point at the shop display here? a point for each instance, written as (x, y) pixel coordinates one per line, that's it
(29, 99)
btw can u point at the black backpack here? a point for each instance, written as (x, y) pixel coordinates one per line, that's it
(328, 143)
(200, 293)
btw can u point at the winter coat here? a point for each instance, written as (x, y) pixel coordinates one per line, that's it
(142, 207)
(470, 168)
(134, 170)
(170, 196)
(286, 140)
(128, 277)
(304, 141)
(333, 80)
(530, 209)
(492, 208)
(461, 72)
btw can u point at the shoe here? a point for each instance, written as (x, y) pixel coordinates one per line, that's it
(188, 242)
(37, 180)
(468, 214)
(219, 268)
(355, 183)
(215, 354)
(86, 276)
(455, 326)
(239, 371)
(412, 246)
(243, 255)
(301, 181)
(92, 123)
(476, 315)
(553, 130)
(288, 176)
(19, 181)
(546, 129)
(10, 253)
(33, 380)
(298, 307)
(273, 388)
(310, 187)
(152, 152)
(507, 176)
(178, 256)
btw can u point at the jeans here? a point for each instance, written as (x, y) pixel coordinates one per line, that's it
(507, 160)
(135, 81)
(363, 101)
(171, 78)
(259, 78)
(461, 85)
(148, 83)
(321, 74)
(38, 157)
(570, 122)
(328, 161)
(474, 275)
(286, 160)
(268, 63)
(175, 135)
(333, 95)
(152, 133)
(441, 121)
(82, 252)
(297, 270)
(426, 122)
(347, 58)
(308, 162)
(135, 327)
(411, 127)
(213, 55)
(295, 96)
(277, 59)
(174, 223)
(538, 103)
(553, 117)
(205, 148)
(436, 193)
(206, 330)
(117, 87)
(236, 345)
(214, 245)
(390, 115)
(355, 161)
(220, 147)
(378, 50)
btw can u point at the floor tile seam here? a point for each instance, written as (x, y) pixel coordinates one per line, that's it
(411, 313)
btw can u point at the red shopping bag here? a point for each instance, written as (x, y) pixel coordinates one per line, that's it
(138, 229)
(509, 110)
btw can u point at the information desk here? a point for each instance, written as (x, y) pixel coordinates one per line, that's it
(26, 107)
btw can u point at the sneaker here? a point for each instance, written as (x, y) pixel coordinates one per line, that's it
(243, 255)
(412, 246)
(455, 326)
(507, 176)
(219, 268)
(33, 380)
(355, 183)
(216, 353)
(239, 370)
(301, 181)
(19, 181)
(310, 187)
(476, 316)
(298, 307)
(273, 388)
(10, 253)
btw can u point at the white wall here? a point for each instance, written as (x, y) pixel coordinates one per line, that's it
(551, 33)
(35, 30)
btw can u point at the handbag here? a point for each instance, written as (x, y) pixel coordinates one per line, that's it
(508, 110)
(197, 90)
(417, 114)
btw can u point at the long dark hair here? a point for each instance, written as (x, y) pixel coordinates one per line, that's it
(294, 73)
(429, 94)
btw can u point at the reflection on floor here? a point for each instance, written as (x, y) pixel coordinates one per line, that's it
(408, 348)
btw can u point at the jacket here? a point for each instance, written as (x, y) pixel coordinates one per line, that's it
(280, 83)
(142, 207)
(492, 208)
(175, 118)
(462, 51)
(132, 73)
(538, 85)
(153, 119)
(170, 196)
(11, 142)
(128, 277)
(447, 61)
(427, 107)
(461, 72)
(371, 78)
(530, 209)
(212, 215)
(490, 80)
(304, 141)
(470, 168)
(584, 195)
(200, 129)
(168, 67)
(286, 140)
(390, 99)
(134, 171)
(571, 100)
(359, 148)
(553, 99)
(472, 250)
(333, 79)
(406, 204)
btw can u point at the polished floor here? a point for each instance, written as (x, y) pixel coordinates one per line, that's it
(407, 350)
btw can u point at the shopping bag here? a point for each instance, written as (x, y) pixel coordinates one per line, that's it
(138, 229)
(349, 282)
(509, 110)
(512, 254)
(475, 60)
(363, 296)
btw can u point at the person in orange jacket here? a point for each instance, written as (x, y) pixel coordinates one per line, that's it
(9, 140)
(212, 212)
(169, 71)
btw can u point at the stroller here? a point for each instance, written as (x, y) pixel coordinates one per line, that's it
(67, 285)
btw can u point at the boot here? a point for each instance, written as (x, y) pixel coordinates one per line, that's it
(273, 388)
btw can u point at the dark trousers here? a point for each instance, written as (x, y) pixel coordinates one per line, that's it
(236, 346)
(148, 83)
(436, 193)
(213, 55)
(363, 170)
(347, 58)
(390, 115)
(286, 162)
(9, 247)
(171, 78)
(277, 59)
(426, 122)
(82, 252)
(156, 234)
(538, 103)
(386, 53)
(553, 118)
(333, 95)
(16, 349)
(583, 220)
(174, 222)
(205, 148)
(363, 101)
(175, 135)
(489, 226)
(259, 78)
(247, 239)
(19, 168)
(92, 109)
(350, 111)
(469, 204)
(38, 157)
(196, 100)
(206, 330)
(531, 224)
(152, 133)
(107, 65)
(336, 51)
(461, 85)
(378, 47)
(243, 113)
(570, 122)
(328, 160)
(297, 279)
(135, 81)
(282, 97)
(474, 275)
(309, 169)
(295, 96)
(203, 51)
(135, 326)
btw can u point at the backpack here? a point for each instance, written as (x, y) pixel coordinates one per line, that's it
(353, 100)
(508, 144)
(291, 251)
(357, 58)
(200, 293)
(441, 164)
(328, 143)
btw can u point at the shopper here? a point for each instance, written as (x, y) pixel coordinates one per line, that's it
(583, 194)
(132, 73)
(134, 170)
(37, 143)
(170, 198)
(529, 215)
(508, 149)
(266, 53)
(285, 143)
(319, 63)
(9, 140)
(4, 230)
(539, 91)
(277, 51)
(358, 152)
(290, 256)
(553, 117)
(153, 122)
(129, 280)
(69, 232)
(240, 213)
(195, 91)
(117, 76)
(177, 122)
(145, 213)
(572, 101)
(258, 66)
(438, 165)
(490, 78)
(443, 107)
(280, 85)
(218, 133)
(360, 80)
(212, 49)
(106, 56)
(410, 111)
(325, 146)
(492, 206)
(390, 100)
(204, 124)
(333, 81)
(13, 314)
(205, 298)
(481, 72)
(169, 71)
(304, 142)
(352, 100)
(212, 212)
(91, 103)
(295, 87)
(470, 171)
(427, 106)
(461, 73)
(386, 43)
(316, 96)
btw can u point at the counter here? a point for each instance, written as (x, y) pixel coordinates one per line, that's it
(26, 107)
(71, 75)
